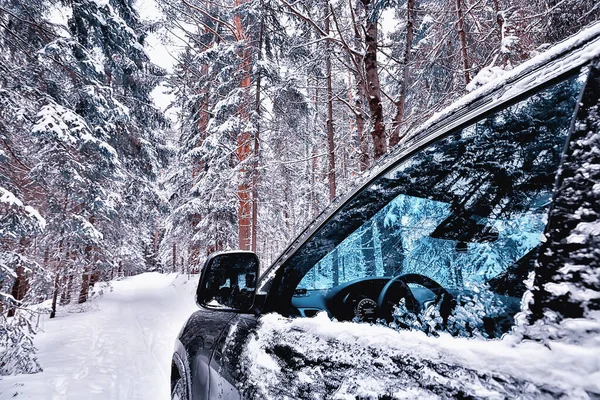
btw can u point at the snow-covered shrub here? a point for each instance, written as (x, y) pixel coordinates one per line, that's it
(473, 315)
(18, 223)
(17, 352)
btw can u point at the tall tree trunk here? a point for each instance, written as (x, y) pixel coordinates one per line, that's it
(203, 119)
(21, 284)
(373, 87)
(57, 267)
(174, 257)
(315, 161)
(368, 251)
(359, 99)
(86, 277)
(244, 149)
(155, 252)
(330, 132)
(244, 194)
(56, 282)
(400, 103)
(335, 266)
(313, 182)
(65, 297)
(19, 289)
(256, 145)
(55, 294)
(85, 288)
(499, 18)
(363, 144)
(463, 41)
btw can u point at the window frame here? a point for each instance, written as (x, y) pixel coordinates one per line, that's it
(279, 296)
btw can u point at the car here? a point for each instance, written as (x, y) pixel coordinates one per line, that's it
(494, 200)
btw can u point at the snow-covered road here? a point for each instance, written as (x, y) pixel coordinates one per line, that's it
(119, 348)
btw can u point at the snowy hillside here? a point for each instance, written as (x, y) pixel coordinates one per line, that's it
(119, 348)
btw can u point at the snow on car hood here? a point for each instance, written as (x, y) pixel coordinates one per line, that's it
(318, 358)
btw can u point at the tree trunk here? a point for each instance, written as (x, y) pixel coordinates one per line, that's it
(330, 132)
(315, 161)
(94, 278)
(155, 253)
(335, 266)
(313, 182)
(368, 251)
(245, 201)
(174, 257)
(463, 41)
(256, 145)
(363, 144)
(55, 294)
(372, 85)
(400, 103)
(65, 297)
(499, 18)
(359, 99)
(19, 289)
(57, 267)
(244, 150)
(85, 288)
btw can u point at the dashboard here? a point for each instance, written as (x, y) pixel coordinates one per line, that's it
(354, 300)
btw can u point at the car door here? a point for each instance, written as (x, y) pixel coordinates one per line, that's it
(194, 348)
(468, 211)
(227, 375)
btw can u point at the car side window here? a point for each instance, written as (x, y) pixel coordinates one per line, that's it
(468, 212)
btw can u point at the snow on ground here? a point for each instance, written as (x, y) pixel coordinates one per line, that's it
(119, 348)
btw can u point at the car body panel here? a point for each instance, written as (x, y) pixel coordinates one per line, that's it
(225, 363)
(196, 343)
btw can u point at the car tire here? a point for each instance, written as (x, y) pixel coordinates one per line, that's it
(179, 391)
(179, 383)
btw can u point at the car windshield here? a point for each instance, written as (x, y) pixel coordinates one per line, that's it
(467, 210)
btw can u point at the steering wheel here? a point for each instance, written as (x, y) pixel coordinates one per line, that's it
(397, 289)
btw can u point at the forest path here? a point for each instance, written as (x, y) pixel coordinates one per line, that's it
(119, 348)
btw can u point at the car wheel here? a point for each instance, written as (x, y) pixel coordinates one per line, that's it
(179, 391)
(178, 384)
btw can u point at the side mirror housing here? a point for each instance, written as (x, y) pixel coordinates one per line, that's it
(228, 281)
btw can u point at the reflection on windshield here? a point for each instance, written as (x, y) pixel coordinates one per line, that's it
(464, 210)
(402, 232)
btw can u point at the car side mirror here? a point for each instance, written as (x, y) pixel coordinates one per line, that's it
(228, 281)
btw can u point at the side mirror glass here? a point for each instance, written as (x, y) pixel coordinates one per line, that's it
(228, 281)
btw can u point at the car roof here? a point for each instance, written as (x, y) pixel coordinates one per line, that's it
(560, 60)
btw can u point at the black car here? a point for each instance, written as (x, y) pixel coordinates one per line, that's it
(504, 183)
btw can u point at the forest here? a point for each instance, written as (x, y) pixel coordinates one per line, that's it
(114, 163)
